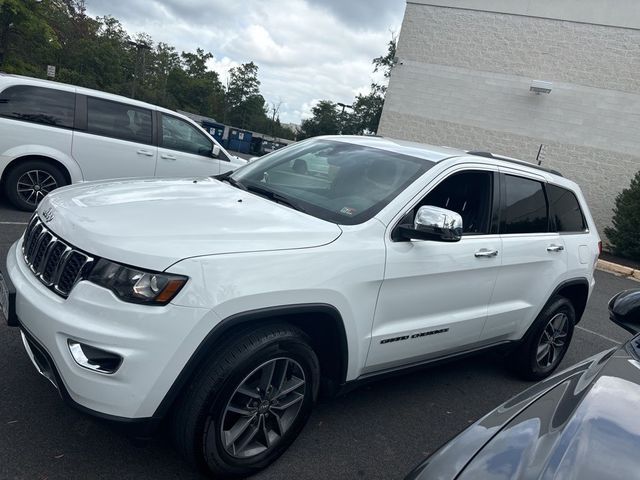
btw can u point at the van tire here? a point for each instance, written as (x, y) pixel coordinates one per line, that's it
(39, 174)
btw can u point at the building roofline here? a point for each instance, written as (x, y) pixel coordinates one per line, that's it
(612, 13)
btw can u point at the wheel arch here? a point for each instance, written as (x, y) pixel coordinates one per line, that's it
(322, 323)
(577, 292)
(41, 158)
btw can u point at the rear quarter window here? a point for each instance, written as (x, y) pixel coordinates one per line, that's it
(42, 105)
(565, 210)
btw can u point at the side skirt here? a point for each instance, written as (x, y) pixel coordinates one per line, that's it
(421, 365)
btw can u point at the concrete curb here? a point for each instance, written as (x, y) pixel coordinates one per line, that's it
(620, 270)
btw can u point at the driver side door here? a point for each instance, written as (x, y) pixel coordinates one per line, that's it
(435, 295)
(184, 150)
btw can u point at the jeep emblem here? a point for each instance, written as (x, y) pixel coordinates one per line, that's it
(48, 215)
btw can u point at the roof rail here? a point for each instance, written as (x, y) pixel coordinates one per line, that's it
(513, 160)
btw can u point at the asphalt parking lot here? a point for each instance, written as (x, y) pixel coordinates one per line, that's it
(379, 431)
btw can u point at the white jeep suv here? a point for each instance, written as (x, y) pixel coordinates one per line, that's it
(226, 304)
(52, 134)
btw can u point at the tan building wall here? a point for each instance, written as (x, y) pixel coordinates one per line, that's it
(463, 80)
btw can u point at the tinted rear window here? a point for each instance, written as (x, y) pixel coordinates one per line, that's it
(565, 210)
(525, 206)
(39, 105)
(118, 120)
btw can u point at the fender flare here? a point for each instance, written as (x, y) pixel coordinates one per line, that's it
(583, 282)
(204, 349)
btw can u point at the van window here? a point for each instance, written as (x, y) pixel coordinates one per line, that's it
(184, 137)
(525, 209)
(47, 106)
(118, 120)
(565, 210)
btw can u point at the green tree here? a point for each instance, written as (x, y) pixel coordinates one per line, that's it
(325, 121)
(194, 87)
(385, 63)
(99, 53)
(163, 61)
(368, 108)
(24, 36)
(243, 99)
(625, 233)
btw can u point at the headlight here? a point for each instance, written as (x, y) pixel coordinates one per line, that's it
(136, 286)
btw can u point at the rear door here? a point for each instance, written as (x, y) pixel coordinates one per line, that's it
(534, 256)
(184, 150)
(116, 141)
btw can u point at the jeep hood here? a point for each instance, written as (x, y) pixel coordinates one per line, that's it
(153, 223)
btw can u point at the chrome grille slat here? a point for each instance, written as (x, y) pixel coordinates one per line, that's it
(60, 271)
(61, 264)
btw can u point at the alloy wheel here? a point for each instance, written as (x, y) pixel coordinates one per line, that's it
(553, 341)
(263, 408)
(34, 185)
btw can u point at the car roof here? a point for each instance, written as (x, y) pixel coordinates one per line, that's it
(9, 78)
(436, 154)
(403, 147)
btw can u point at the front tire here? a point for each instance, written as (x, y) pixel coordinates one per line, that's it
(547, 341)
(30, 181)
(249, 402)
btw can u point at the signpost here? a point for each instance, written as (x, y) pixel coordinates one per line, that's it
(51, 71)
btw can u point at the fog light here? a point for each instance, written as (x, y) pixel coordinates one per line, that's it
(93, 358)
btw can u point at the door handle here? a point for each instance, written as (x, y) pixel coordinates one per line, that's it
(167, 156)
(146, 153)
(555, 248)
(485, 253)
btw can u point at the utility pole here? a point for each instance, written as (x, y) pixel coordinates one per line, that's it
(343, 105)
(140, 47)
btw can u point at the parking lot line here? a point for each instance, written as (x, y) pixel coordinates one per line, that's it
(14, 223)
(598, 334)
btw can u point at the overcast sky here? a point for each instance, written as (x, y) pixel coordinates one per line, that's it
(306, 50)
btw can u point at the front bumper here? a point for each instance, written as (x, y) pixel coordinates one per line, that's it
(154, 342)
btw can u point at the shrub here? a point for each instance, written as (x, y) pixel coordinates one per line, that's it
(624, 236)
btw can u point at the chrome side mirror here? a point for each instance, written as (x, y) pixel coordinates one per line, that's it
(624, 310)
(434, 223)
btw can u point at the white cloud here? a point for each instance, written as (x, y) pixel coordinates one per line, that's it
(305, 49)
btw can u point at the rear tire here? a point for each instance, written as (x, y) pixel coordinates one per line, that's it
(30, 181)
(249, 402)
(547, 341)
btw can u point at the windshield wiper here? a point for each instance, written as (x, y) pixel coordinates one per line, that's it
(276, 197)
(226, 177)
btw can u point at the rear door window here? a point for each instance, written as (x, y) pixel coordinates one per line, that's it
(47, 106)
(118, 120)
(525, 206)
(566, 215)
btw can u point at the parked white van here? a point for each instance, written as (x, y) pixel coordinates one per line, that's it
(53, 134)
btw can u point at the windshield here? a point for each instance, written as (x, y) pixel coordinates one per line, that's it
(336, 181)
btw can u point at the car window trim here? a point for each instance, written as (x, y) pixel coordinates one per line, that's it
(111, 136)
(160, 137)
(410, 206)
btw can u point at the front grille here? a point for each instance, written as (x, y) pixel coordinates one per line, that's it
(54, 262)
